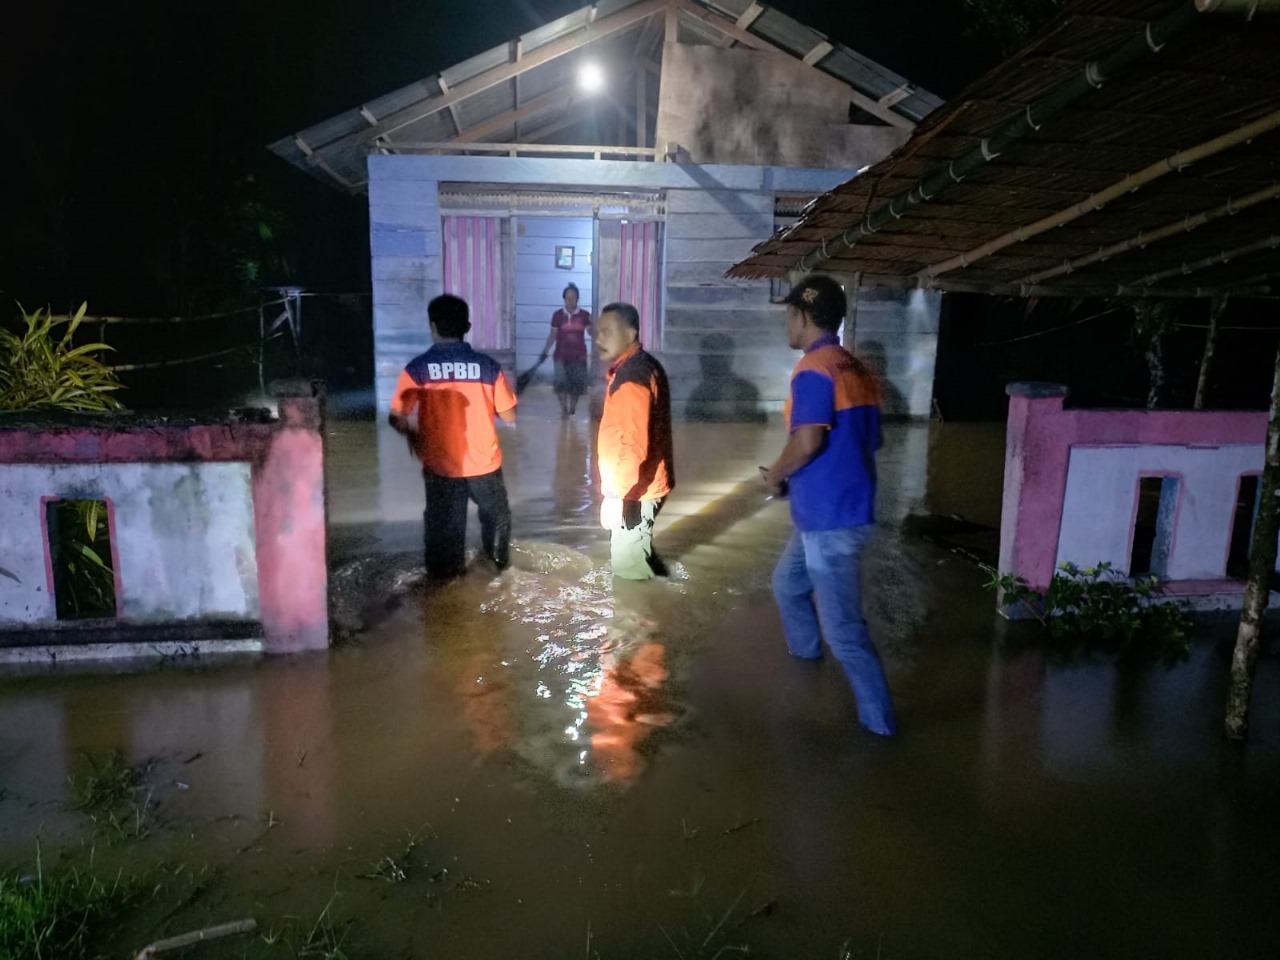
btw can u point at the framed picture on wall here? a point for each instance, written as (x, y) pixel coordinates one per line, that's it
(564, 258)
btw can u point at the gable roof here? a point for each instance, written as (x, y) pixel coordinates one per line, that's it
(1131, 148)
(523, 92)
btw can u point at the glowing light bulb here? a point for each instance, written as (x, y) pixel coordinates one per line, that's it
(590, 77)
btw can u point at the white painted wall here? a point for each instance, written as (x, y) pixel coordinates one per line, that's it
(183, 532)
(1102, 488)
(540, 285)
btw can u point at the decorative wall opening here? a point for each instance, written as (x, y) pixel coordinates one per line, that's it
(1246, 513)
(78, 538)
(1153, 526)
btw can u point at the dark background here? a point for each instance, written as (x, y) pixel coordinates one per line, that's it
(136, 177)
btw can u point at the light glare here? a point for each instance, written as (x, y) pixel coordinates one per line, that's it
(590, 77)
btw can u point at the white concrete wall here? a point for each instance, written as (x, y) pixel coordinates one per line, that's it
(540, 285)
(1100, 504)
(183, 533)
(761, 107)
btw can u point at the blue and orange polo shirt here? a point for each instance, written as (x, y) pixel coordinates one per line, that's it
(456, 393)
(831, 388)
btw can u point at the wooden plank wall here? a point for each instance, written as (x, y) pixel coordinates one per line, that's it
(723, 342)
(896, 333)
(405, 244)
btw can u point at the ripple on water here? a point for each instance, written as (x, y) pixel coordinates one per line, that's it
(584, 673)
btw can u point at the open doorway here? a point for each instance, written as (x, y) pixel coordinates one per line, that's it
(550, 254)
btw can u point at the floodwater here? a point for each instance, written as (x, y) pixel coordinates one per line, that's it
(546, 764)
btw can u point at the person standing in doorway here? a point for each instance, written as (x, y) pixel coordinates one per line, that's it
(446, 401)
(633, 444)
(827, 469)
(569, 327)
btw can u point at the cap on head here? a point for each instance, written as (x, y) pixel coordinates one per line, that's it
(821, 298)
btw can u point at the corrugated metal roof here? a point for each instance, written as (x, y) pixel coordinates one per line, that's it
(483, 89)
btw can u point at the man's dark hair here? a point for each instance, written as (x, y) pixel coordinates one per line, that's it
(574, 288)
(451, 315)
(629, 314)
(821, 298)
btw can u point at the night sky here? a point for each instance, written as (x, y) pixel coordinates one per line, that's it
(126, 128)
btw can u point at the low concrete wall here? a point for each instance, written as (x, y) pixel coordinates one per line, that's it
(217, 528)
(1072, 477)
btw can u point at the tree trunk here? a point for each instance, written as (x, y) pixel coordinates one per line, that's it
(1262, 564)
(1155, 368)
(1216, 309)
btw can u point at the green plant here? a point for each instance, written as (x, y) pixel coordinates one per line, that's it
(108, 795)
(323, 940)
(62, 916)
(83, 579)
(1099, 609)
(41, 368)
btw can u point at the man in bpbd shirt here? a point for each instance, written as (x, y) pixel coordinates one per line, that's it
(828, 470)
(445, 401)
(634, 444)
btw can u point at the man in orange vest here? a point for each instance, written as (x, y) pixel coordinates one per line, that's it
(446, 401)
(634, 444)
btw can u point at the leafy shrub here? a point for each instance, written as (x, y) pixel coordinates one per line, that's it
(1097, 609)
(41, 368)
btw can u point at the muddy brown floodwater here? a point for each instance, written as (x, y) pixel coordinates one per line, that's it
(546, 764)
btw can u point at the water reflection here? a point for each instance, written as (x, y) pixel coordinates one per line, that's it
(558, 683)
(629, 705)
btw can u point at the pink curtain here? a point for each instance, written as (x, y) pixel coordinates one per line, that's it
(473, 270)
(639, 278)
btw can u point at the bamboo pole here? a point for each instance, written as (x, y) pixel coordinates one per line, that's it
(1262, 565)
(1150, 38)
(1142, 239)
(1161, 168)
(247, 925)
(1216, 308)
(1214, 260)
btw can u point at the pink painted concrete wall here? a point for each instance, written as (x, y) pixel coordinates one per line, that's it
(286, 460)
(1038, 455)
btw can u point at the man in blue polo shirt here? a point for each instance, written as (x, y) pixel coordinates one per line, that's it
(828, 470)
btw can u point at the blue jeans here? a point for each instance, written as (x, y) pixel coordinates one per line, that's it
(818, 577)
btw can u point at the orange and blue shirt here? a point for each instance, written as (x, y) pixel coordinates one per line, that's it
(455, 392)
(831, 388)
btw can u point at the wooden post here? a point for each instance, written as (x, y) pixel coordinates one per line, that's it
(1216, 308)
(851, 312)
(1262, 565)
(642, 109)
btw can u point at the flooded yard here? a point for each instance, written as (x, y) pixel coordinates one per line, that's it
(546, 764)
